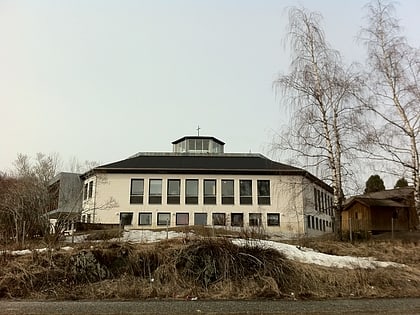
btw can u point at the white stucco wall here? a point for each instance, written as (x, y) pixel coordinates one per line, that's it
(291, 197)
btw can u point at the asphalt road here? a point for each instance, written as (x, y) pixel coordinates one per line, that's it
(409, 306)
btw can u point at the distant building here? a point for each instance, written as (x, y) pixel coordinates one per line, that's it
(65, 195)
(199, 184)
(381, 211)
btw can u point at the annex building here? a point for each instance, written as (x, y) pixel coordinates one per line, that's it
(199, 184)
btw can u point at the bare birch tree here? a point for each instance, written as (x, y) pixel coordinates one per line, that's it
(394, 92)
(319, 89)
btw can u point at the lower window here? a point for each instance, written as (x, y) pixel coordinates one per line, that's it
(126, 218)
(163, 218)
(255, 219)
(200, 218)
(145, 218)
(219, 218)
(237, 219)
(182, 219)
(273, 219)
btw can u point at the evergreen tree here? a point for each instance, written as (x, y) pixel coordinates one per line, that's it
(374, 184)
(402, 182)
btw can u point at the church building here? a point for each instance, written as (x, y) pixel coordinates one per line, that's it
(199, 184)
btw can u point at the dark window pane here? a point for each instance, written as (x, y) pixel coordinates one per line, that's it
(263, 192)
(245, 191)
(273, 219)
(182, 219)
(210, 191)
(219, 218)
(145, 218)
(200, 218)
(173, 191)
(164, 218)
(126, 218)
(237, 219)
(227, 192)
(136, 191)
(255, 219)
(155, 191)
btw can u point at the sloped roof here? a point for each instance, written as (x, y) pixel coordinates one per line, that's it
(187, 163)
(200, 163)
(385, 198)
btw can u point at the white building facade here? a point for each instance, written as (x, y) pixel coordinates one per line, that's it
(199, 184)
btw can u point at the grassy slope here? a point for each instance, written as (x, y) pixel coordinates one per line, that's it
(208, 268)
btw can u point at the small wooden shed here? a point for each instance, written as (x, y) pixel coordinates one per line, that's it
(381, 211)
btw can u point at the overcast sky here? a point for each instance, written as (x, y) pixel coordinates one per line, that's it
(101, 80)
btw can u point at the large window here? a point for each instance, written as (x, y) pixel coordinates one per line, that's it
(164, 218)
(85, 191)
(173, 191)
(90, 189)
(200, 218)
(155, 191)
(273, 219)
(126, 218)
(136, 191)
(237, 219)
(245, 192)
(145, 218)
(209, 191)
(255, 219)
(191, 191)
(227, 192)
(263, 192)
(219, 218)
(182, 219)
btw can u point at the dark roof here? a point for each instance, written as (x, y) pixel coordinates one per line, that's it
(184, 163)
(198, 137)
(200, 163)
(386, 198)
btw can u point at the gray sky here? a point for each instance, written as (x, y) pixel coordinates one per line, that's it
(101, 80)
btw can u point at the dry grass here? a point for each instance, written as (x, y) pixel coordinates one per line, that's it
(208, 268)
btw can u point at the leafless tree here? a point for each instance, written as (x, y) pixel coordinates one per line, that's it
(319, 90)
(393, 92)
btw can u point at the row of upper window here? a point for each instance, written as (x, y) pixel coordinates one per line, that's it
(317, 224)
(192, 192)
(88, 190)
(323, 202)
(183, 218)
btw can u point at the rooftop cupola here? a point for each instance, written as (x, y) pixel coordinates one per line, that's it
(198, 144)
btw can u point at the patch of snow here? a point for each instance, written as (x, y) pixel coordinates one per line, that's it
(309, 256)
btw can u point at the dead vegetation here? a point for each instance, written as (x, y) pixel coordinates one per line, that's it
(206, 268)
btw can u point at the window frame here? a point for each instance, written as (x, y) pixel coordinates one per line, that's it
(171, 198)
(215, 220)
(251, 219)
(155, 198)
(182, 214)
(245, 199)
(269, 220)
(167, 222)
(228, 198)
(209, 198)
(232, 219)
(191, 199)
(136, 198)
(263, 199)
(149, 214)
